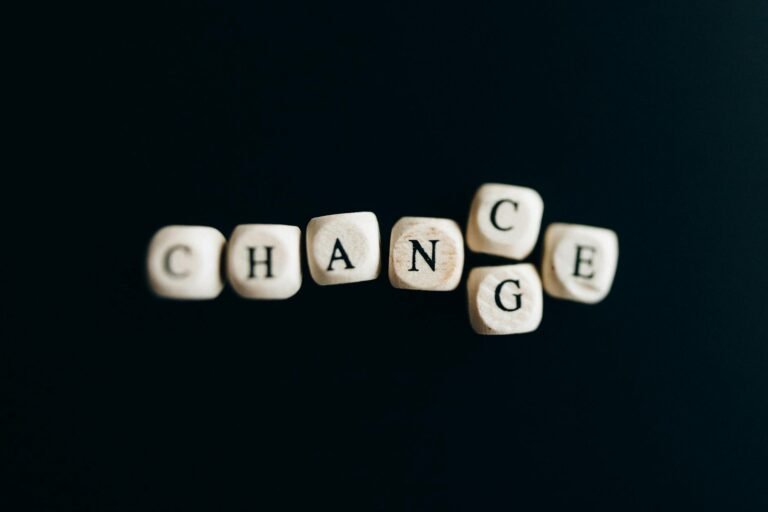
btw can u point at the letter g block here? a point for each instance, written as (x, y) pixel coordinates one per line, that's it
(579, 262)
(184, 262)
(505, 300)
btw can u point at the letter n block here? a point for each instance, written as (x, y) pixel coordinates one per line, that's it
(505, 300)
(426, 254)
(264, 261)
(344, 248)
(579, 262)
(184, 262)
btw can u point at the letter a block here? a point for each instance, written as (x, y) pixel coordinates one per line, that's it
(579, 262)
(344, 248)
(504, 220)
(505, 300)
(426, 254)
(184, 262)
(264, 261)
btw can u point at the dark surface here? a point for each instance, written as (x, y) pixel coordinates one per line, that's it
(649, 119)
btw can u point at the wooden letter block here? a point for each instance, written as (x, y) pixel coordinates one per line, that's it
(344, 248)
(426, 254)
(184, 262)
(264, 261)
(505, 300)
(504, 220)
(579, 262)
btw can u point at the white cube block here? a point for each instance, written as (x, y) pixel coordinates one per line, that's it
(505, 299)
(184, 262)
(264, 261)
(426, 253)
(579, 262)
(504, 220)
(344, 248)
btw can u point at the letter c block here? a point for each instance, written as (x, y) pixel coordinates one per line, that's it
(504, 220)
(184, 262)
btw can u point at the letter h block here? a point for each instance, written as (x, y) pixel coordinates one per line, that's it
(264, 261)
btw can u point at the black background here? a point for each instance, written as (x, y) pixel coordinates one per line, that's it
(650, 119)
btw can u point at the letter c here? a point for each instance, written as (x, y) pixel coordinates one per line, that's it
(169, 254)
(495, 210)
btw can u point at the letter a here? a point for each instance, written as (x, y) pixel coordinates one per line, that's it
(337, 247)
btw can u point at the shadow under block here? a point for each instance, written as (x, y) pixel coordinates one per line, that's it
(504, 220)
(579, 262)
(344, 248)
(505, 299)
(264, 261)
(426, 253)
(184, 262)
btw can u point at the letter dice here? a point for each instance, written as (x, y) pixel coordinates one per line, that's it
(344, 248)
(264, 261)
(426, 254)
(505, 299)
(579, 262)
(504, 220)
(184, 262)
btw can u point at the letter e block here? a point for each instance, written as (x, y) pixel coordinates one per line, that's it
(426, 254)
(344, 248)
(184, 262)
(264, 261)
(504, 220)
(579, 262)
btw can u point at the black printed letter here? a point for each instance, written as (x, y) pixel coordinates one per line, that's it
(517, 296)
(495, 209)
(168, 255)
(342, 256)
(254, 262)
(580, 260)
(417, 247)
